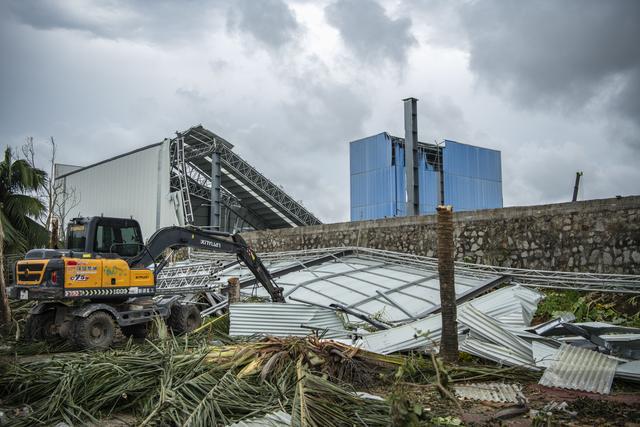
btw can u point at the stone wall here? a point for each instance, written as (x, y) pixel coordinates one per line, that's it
(595, 236)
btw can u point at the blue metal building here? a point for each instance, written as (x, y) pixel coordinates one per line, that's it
(472, 177)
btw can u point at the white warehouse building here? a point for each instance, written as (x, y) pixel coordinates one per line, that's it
(193, 178)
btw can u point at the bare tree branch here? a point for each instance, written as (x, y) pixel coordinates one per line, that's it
(58, 199)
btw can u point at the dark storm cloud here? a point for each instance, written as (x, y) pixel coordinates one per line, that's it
(271, 22)
(369, 32)
(558, 53)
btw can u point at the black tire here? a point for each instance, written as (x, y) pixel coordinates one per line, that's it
(40, 327)
(135, 331)
(94, 332)
(184, 318)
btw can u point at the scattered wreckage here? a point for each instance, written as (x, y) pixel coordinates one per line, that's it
(387, 302)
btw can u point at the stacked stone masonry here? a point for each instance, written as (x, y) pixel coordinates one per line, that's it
(593, 236)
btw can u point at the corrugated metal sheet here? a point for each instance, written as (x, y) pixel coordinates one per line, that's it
(425, 332)
(472, 177)
(491, 330)
(498, 353)
(283, 320)
(491, 392)
(373, 178)
(580, 369)
(134, 185)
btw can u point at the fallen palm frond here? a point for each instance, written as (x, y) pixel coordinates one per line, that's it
(184, 381)
(272, 355)
(173, 383)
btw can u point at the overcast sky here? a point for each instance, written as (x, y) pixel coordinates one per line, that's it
(554, 85)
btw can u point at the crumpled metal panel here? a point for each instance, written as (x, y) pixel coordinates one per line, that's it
(498, 353)
(426, 332)
(246, 319)
(275, 419)
(491, 392)
(492, 330)
(580, 369)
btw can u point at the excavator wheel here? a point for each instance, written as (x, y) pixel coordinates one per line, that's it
(94, 332)
(184, 318)
(40, 327)
(135, 331)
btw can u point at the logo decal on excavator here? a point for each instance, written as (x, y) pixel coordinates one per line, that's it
(86, 268)
(79, 278)
(210, 243)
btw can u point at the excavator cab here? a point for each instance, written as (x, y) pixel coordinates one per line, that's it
(93, 265)
(105, 236)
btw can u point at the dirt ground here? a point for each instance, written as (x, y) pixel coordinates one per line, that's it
(620, 408)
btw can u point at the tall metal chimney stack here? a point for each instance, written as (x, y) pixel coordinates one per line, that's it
(411, 154)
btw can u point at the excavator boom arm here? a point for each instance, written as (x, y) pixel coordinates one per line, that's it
(179, 237)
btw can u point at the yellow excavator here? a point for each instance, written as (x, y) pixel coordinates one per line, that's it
(106, 276)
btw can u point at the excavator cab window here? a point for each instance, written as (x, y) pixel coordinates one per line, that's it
(116, 237)
(104, 235)
(76, 237)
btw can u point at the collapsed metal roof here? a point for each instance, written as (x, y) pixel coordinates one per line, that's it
(363, 282)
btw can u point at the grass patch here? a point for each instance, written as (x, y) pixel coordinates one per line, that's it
(618, 309)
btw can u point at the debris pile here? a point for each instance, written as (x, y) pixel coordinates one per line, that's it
(359, 333)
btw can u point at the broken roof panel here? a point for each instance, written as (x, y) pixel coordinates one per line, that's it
(492, 330)
(580, 369)
(247, 319)
(496, 352)
(491, 392)
(425, 332)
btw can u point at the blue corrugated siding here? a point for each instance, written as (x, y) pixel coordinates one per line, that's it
(472, 177)
(373, 178)
(400, 197)
(428, 185)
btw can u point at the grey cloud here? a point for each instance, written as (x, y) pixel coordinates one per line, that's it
(271, 22)
(563, 54)
(162, 21)
(369, 32)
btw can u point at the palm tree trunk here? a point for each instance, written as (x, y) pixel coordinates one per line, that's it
(449, 340)
(4, 304)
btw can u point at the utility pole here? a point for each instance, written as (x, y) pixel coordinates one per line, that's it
(576, 186)
(444, 230)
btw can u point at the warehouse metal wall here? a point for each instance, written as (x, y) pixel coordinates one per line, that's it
(472, 177)
(133, 185)
(373, 178)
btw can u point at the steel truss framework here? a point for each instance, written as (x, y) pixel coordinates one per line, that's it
(596, 282)
(207, 272)
(262, 203)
